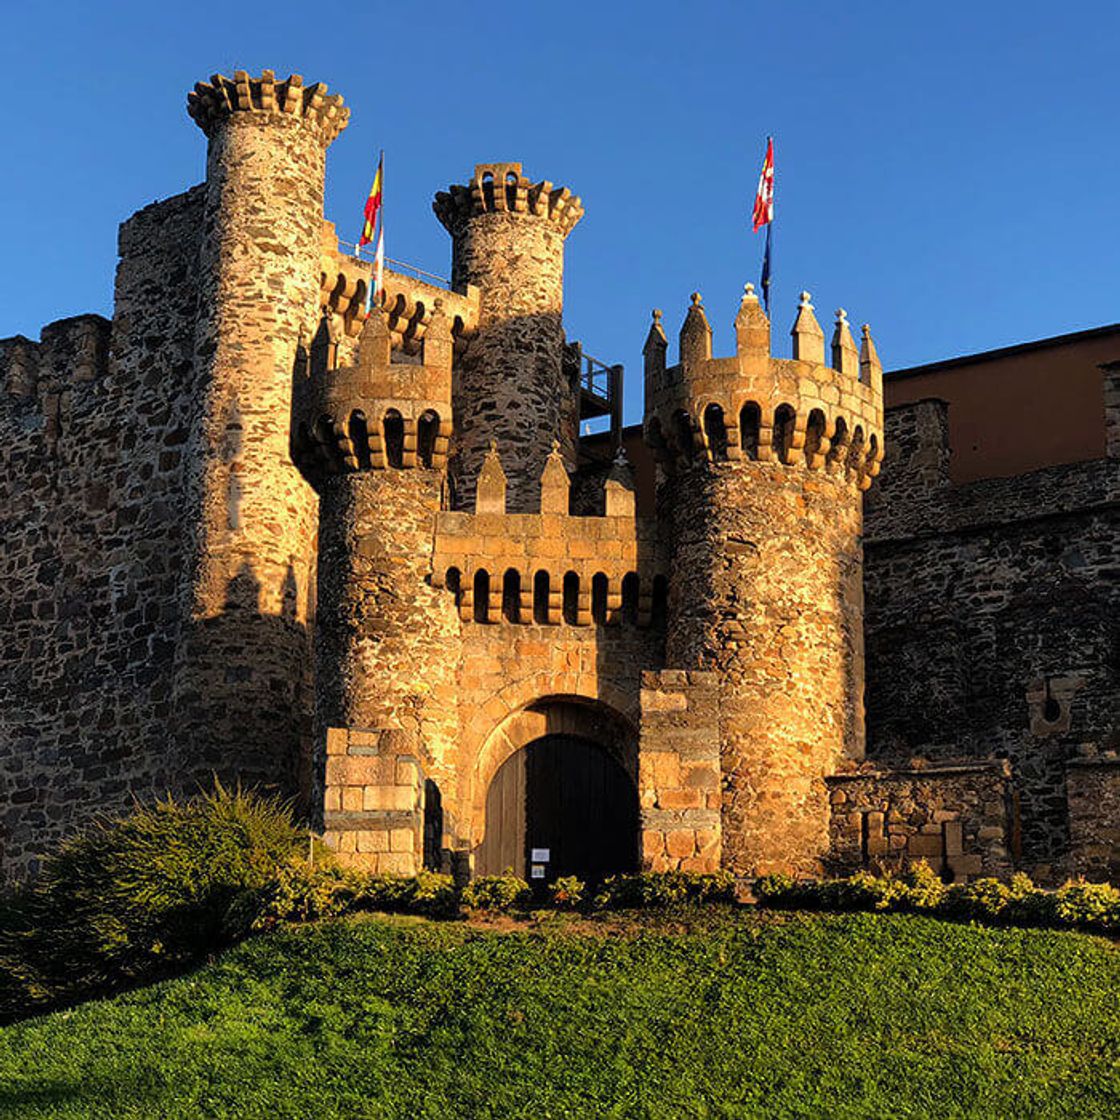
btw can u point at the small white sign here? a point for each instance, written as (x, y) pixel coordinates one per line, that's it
(537, 871)
(541, 855)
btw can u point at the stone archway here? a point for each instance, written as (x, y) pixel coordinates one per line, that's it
(559, 777)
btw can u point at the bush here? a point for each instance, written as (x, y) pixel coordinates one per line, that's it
(567, 892)
(496, 892)
(133, 894)
(1091, 905)
(664, 888)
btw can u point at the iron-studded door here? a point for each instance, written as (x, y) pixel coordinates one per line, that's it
(569, 797)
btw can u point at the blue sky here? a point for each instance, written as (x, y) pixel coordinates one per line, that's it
(947, 172)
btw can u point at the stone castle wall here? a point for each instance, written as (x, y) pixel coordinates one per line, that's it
(94, 422)
(992, 619)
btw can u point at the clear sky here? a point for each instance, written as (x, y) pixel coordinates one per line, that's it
(948, 172)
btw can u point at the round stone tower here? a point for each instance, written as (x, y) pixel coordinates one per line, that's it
(762, 466)
(244, 667)
(512, 388)
(372, 439)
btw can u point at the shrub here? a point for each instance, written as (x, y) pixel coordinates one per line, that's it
(664, 888)
(567, 892)
(924, 889)
(1091, 905)
(496, 892)
(168, 883)
(981, 900)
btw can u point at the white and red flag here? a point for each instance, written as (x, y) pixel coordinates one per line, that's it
(764, 199)
(764, 216)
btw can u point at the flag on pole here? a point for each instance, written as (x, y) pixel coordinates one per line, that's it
(373, 204)
(378, 269)
(764, 215)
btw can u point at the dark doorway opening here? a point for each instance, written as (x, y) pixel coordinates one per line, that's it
(568, 797)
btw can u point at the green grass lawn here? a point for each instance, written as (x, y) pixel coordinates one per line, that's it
(834, 1016)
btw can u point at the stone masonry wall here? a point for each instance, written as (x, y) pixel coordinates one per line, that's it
(374, 800)
(243, 688)
(93, 423)
(958, 819)
(993, 620)
(388, 641)
(511, 387)
(1093, 793)
(766, 591)
(679, 775)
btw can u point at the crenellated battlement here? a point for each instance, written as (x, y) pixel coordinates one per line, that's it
(377, 413)
(69, 352)
(344, 290)
(502, 188)
(210, 103)
(799, 411)
(551, 568)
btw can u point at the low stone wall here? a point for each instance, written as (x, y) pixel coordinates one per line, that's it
(679, 771)
(1093, 795)
(374, 801)
(958, 818)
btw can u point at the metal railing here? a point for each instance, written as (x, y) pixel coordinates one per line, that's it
(596, 377)
(354, 250)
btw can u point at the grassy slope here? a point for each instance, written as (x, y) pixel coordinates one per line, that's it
(846, 1016)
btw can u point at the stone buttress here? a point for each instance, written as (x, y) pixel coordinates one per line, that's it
(508, 240)
(373, 440)
(245, 661)
(762, 465)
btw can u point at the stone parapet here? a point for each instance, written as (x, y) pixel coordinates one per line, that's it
(211, 103)
(799, 412)
(373, 802)
(960, 819)
(501, 188)
(1093, 797)
(679, 771)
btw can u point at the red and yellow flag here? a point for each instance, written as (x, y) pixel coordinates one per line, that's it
(373, 204)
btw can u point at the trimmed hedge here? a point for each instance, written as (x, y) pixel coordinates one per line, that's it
(1077, 904)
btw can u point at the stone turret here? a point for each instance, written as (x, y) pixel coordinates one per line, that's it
(245, 665)
(372, 438)
(762, 462)
(508, 240)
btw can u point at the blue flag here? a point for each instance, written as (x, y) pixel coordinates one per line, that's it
(765, 282)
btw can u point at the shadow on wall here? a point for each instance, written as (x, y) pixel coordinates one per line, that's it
(245, 693)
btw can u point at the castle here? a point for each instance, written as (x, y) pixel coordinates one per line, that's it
(253, 530)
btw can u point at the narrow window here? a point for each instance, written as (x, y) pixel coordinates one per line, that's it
(784, 418)
(571, 598)
(482, 595)
(716, 432)
(427, 429)
(453, 582)
(599, 598)
(433, 826)
(511, 595)
(630, 597)
(814, 433)
(488, 189)
(838, 452)
(540, 598)
(511, 190)
(856, 451)
(394, 438)
(750, 421)
(359, 437)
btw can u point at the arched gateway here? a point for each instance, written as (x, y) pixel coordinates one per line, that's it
(563, 799)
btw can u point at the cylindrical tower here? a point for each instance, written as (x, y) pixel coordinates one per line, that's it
(245, 662)
(764, 462)
(372, 439)
(508, 240)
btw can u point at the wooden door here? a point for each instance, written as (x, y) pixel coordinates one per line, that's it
(566, 795)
